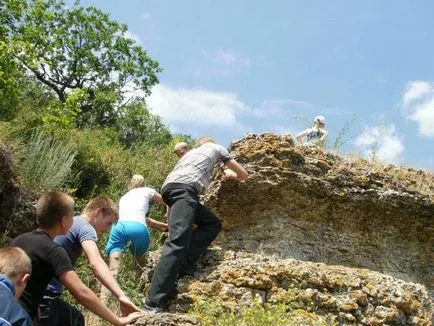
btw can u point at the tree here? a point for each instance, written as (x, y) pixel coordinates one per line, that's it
(138, 126)
(80, 47)
(10, 70)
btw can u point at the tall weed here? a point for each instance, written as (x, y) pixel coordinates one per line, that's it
(46, 164)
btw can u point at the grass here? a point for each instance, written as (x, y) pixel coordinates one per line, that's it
(280, 314)
(46, 164)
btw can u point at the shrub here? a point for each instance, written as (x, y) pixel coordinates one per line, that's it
(46, 164)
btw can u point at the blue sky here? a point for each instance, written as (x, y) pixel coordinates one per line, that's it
(236, 67)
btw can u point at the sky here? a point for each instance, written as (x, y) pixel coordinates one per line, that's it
(250, 66)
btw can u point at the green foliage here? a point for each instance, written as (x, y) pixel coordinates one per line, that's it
(138, 127)
(105, 166)
(278, 314)
(46, 164)
(59, 115)
(78, 48)
(28, 98)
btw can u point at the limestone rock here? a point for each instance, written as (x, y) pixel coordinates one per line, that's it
(304, 203)
(337, 240)
(166, 319)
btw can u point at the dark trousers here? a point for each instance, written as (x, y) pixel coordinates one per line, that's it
(55, 311)
(184, 244)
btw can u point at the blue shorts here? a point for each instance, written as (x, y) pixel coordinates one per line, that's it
(128, 231)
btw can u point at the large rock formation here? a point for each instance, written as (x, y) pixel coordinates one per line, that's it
(337, 240)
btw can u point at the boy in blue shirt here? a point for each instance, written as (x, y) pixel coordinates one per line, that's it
(15, 269)
(98, 216)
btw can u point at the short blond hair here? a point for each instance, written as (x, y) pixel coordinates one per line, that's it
(14, 262)
(52, 206)
(203, 140)
(136, 181)
(106, 204)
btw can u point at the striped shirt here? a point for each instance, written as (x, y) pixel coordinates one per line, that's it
(196, 166)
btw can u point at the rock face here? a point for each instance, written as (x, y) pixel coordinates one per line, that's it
(17, 214)
(303, 203)
(339, 239)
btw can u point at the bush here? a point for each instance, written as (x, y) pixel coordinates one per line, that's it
(46, 164)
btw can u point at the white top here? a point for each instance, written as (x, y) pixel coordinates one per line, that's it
(134, 205)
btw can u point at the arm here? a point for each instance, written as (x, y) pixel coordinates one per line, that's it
(157, 198)
(104, 275)
(157, 224)
(235, 171)
(324, 136)
(89, 300)
(301, 135)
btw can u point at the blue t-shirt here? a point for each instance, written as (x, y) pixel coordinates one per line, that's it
(80, 231)
(11, 312)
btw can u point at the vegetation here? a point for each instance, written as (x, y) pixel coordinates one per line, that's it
(73, 110)
(211, 314)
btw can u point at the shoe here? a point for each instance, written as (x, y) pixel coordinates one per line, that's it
(151, 310)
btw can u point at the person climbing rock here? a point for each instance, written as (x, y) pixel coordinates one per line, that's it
(180, 191)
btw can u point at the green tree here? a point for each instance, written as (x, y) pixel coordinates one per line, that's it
(27, 97)
(138, 126)
(10, 70)
(79, 48)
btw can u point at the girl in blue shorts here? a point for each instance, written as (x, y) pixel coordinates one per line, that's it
(133, 224)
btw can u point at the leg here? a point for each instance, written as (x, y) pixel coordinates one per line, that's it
(114, 262)
(115, 246)
(208, 227)
(138, 234)
(183, 209)
(48, 309)
(55, 311)
(68, 315)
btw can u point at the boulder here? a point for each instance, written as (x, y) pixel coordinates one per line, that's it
(335, 239)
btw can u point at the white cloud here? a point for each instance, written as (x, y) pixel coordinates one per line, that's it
(418, 105)
(195, 106)
(290, 107)
(380, 142)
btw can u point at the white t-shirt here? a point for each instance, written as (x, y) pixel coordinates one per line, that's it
(134, 205)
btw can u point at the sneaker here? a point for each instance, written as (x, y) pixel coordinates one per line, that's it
(151, 310)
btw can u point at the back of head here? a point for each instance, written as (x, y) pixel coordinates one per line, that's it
(137, 181)
(14, 262)
(203, 140)
(106, 204)
(180, 145)
(52, 206)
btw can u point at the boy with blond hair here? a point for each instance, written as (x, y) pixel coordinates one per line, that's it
(15, 269)
(99, 214)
